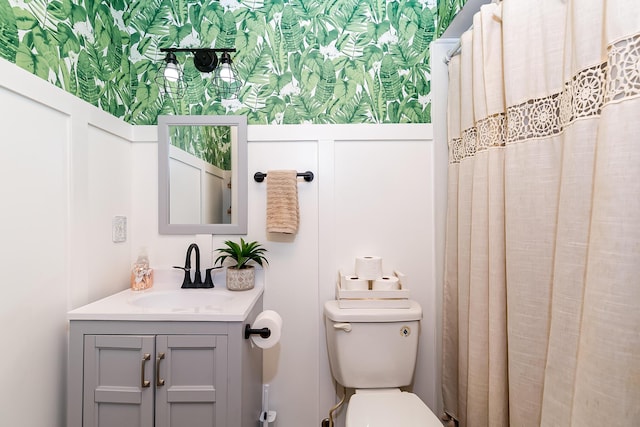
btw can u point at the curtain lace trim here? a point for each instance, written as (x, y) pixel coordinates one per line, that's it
(584, 95)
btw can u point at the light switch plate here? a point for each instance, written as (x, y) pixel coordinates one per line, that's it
(119, 229)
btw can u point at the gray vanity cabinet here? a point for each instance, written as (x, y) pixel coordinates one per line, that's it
(162, 373)
(182, 379)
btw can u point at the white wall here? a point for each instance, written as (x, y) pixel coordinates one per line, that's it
(374, 193)
(65, 171)
(33, 230)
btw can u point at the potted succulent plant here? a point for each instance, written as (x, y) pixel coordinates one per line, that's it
(241, 275)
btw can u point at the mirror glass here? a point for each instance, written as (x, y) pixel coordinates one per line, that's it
(202, 171)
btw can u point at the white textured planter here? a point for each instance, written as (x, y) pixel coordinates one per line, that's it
(241, 279)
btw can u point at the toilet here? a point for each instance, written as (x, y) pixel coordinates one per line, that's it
(374, 351)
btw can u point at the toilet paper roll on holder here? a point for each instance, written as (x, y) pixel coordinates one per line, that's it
(263, 332)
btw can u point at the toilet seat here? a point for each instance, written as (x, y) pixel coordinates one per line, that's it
(389, 407)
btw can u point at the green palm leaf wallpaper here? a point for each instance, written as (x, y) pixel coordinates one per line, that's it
(209, 143)
(300, 61)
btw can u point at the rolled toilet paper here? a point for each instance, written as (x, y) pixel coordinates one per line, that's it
(267, 319)
(354, 283)
(369, 267)
(386, 283)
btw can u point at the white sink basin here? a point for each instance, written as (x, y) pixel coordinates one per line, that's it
(184, 299)
(166, 301)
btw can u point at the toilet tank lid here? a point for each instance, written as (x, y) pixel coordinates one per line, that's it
(333, 312)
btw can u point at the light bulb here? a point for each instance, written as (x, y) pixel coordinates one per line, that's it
(171, 72)
(225, 73)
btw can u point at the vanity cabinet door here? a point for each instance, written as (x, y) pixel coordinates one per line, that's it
(155, 381)
(115, 370)
(191, 387)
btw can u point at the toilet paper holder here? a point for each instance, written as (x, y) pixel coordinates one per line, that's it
(263, 332)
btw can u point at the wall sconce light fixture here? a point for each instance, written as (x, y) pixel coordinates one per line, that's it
(225, 80)
(170, 77)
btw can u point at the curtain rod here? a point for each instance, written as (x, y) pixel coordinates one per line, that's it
(456, 48)
(453, 52)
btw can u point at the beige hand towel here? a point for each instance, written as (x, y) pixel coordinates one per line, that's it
(282, 202)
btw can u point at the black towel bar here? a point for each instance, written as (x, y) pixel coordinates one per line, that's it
(308, 176)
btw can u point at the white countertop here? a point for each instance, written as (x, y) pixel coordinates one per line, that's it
(166, 301)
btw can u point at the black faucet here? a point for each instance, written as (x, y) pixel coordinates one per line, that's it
(197, 280)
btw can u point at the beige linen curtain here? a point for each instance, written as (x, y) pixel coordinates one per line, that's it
(542, 280)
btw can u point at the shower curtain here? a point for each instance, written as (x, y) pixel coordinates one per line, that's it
(541, 302)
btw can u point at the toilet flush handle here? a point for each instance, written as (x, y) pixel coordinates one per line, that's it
(344, 326)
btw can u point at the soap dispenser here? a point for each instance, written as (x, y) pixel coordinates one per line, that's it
(141, 273)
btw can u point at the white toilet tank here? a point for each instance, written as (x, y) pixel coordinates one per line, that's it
(372, 348)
